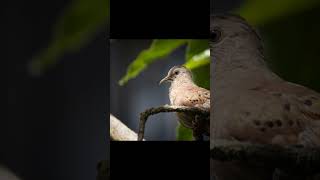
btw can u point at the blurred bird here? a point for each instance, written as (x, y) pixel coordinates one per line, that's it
(7, 174)
(253, 104)
(184, 92)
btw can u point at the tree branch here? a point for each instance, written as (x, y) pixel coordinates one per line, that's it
(306, 160)
(120, 132)
(166, 108)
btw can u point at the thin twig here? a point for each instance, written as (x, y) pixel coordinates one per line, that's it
(166, 108)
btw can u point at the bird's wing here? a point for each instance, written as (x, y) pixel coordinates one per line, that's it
(308, 111)
(197, 97)
(285, 113)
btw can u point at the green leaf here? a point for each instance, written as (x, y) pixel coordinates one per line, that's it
(196, 46)
(183, 133)
(199, 60)
(75, 28)
(157, 50)
(263, 11)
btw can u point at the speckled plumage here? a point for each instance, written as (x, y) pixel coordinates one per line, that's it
(184, 92)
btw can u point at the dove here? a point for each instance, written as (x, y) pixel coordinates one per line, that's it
(253, 104)
(184, 92)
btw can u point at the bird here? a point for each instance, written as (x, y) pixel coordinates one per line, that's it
(184, 92)
(252, 103)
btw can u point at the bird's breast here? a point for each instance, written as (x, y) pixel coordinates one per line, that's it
(177, 96)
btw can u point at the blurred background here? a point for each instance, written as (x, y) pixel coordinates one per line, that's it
(57, 125)
(289, 29)
(143, 92)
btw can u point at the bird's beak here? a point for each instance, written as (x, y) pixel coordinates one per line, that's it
(167, 78)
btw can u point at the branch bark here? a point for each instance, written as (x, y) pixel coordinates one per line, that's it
(303, 159)
(120, 132)
(166, 108)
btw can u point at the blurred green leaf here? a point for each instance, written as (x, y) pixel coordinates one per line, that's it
(78, 24)
(263, 11)
(183, 133)
(199, 60)
(201, 76)
(195, 47)
(158, 49)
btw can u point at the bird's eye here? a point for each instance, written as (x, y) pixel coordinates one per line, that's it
(176, 73)
(215, 35)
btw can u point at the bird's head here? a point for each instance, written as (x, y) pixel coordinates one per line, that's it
(231, 34)
(177, 73)
(233, 31)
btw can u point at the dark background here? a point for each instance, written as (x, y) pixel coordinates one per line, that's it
(57, 123)
(223, 6)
